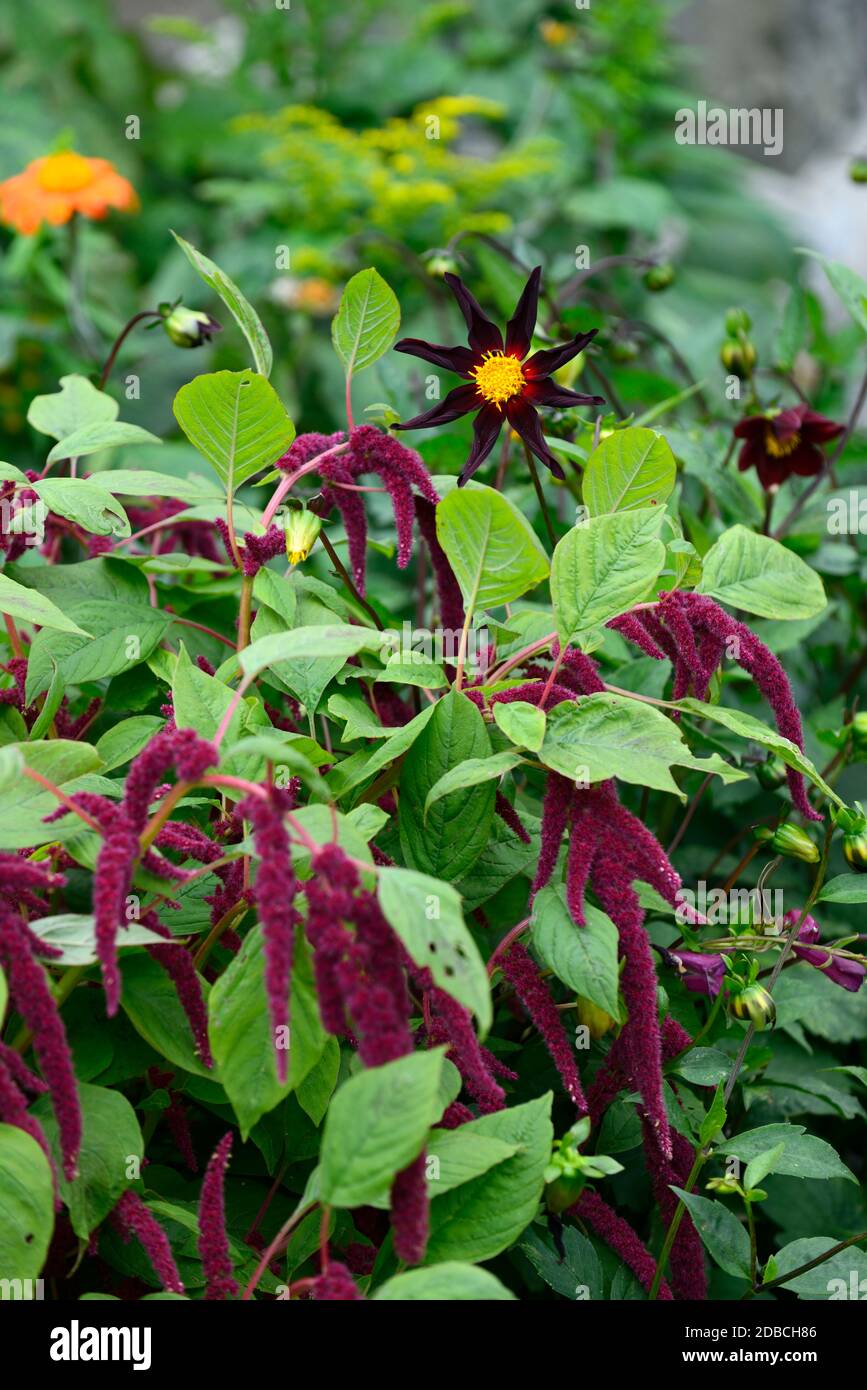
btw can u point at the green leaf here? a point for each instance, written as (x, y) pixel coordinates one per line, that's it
(460, 1157)
(366, 322)
(494, 552)
(576, 1274)
(241, 1036)
(76, 404)
(703, 1066)
(848, 285)
(335, 641)
(27, 1203)
(584, 958)
(448, 843)
(601, 568)
(111, 1152)
(73, 934)
(242, 312)
(24, 806)
(753, 729)
(764, 1163)
(471, 774)
(804, 1155)
(759, 575)
(361, 766)
(122, 634)
(31, 607)
(150, 1001)
(715, 1117)
(607, 735)
(522, 723)
(86, 503)
(101, 434)
(376, 1125)
(51, 704)
(481, 1218)
(122, 742)
(236, 421)
(723, 1236)
(315, 1091)
(426, 914)
(632, 468)
(145, 482)
(841, 1277)
(845, 888)
(451, 1282)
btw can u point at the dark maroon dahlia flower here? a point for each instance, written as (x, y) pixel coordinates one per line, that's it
(786, 442)
(500, 384)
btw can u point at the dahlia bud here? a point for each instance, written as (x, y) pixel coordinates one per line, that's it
(790, 840)
(855, 851)
(738, 356)
(858, 729)
(755, 1004)
(771, 773)
(440, 264)
(188, 328)
(858, 171)
(623, 350)
(595, 1020)
(302, 528)
(737, 321)
(659, 277)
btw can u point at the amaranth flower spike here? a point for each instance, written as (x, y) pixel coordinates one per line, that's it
(500, 384)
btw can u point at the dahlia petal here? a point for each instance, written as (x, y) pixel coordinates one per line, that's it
(519, 329)
(486, 428)
(483, 335)
(455, 359)
(523, 418)
(458, 402)
(548, 360)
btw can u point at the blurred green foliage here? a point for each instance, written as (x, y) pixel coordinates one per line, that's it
(296, 145)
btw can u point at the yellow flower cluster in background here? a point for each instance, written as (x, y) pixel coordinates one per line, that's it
(427, 173)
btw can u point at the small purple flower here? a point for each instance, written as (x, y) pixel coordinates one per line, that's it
(619, 1236)
(131, 1217)
(274, 891)
(700, 971)
(28, 987)
(410, 1212)
(336, 1285)
(217, 1264)
(524, 976)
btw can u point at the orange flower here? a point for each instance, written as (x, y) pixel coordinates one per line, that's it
(53, 188)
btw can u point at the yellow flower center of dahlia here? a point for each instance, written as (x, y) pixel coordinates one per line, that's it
(498, 377)
(65, 173)
(780, 448)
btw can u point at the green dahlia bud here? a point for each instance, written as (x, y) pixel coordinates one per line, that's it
(623, 350)
(859, 737)
(440, 264)
(738, 355)
(659, 277)
(771, 773)
(302, 528)
(858, 171)
(738, 321)
(564, 1191)
(189, 328)
(855, 852)
(755, 1005)
(790, 840)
